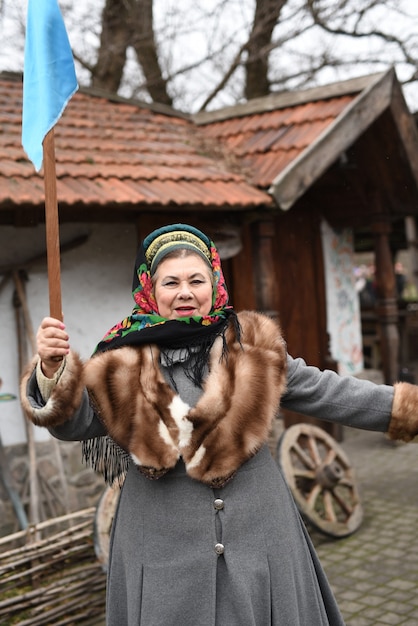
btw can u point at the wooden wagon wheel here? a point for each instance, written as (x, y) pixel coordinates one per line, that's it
(321, 479)
(103, 519)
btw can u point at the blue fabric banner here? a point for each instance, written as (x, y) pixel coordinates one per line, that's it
(49, 79)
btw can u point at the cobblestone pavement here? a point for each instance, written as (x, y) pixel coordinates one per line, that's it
(374, 572)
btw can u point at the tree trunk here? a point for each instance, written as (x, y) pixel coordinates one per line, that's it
(267, 13)
(143, 42)
(108, 71)
(129, 23)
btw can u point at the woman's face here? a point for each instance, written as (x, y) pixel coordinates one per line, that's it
(183, 287)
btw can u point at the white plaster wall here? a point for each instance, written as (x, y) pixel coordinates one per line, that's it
(96, 293)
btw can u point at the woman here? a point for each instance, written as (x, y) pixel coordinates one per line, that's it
(179, 398)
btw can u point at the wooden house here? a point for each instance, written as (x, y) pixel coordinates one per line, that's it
(258, 177)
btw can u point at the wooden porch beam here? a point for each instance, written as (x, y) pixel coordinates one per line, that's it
(386, 308)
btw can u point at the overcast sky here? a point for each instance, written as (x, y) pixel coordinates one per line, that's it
(13, 14)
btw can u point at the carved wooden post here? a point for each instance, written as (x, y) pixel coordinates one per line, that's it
(267, 294)
(412, 239)
(386, 308)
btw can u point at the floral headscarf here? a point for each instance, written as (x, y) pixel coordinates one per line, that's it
(145, 324)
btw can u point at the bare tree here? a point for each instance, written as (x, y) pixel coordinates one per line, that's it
(198, 54)
(341, 22)
(266, 16)
(114, 40)
(130, 23)
(268, 53)
(145, 46)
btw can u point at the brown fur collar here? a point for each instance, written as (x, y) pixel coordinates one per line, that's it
(229, 423)
(65, 397)
(403, 425)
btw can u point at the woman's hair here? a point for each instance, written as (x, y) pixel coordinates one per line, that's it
(179, 253)
(182, 253)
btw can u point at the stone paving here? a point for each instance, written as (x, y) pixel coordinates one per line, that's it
(374, 572)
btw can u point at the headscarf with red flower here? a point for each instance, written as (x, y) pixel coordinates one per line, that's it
(145, 324)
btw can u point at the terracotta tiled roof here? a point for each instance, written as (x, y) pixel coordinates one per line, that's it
(269, 141)
(287, 141)
(116, 153)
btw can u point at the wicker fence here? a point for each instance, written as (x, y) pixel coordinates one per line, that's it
(50, 575)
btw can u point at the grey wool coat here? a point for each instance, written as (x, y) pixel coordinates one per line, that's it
(185, 552)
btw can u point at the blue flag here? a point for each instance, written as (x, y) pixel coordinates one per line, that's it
(49, 79)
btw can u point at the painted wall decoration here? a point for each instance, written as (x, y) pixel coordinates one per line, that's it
(4, 397)
(343, 307)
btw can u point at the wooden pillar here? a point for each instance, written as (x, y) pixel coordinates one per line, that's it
(412, 240)
(386, 308)
(240, 274)
(291, 286)
(268, 288)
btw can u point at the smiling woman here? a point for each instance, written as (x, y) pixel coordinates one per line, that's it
(176, 404)
(185, 291)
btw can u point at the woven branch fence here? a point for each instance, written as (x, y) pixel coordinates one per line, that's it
(50, 575)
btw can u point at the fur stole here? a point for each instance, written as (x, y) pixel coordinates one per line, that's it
(226, 427)
(229, 423)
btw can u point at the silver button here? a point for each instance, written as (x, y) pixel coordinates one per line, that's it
(219, 548)
(218, 504)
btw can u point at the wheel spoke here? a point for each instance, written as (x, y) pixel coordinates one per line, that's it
(303, 456)
(313, 495)
(330, 456)
(308, 474)
(313, 447)
(344, 504)
(346, 482)
(329, 509)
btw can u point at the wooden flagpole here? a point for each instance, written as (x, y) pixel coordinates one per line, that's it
(52, 227)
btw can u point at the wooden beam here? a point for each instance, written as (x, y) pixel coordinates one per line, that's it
(275, 101)
(406, 126)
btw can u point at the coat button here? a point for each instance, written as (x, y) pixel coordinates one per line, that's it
(218, 504)
(219, 548)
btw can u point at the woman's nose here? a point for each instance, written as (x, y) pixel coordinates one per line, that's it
(184, 291)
